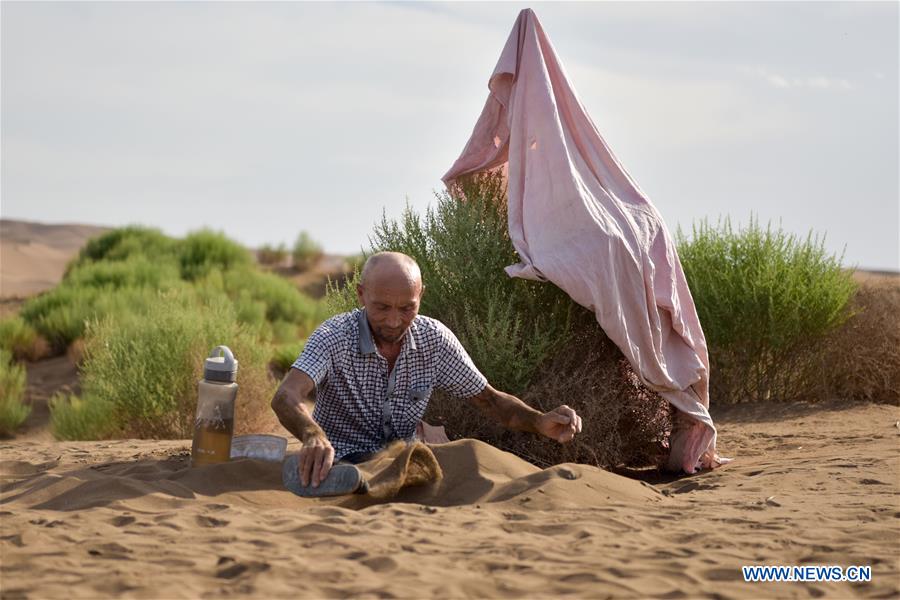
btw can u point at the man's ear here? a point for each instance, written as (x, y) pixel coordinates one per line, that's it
(422, 291)
(359, 294)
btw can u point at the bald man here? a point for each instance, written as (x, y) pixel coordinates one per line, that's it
(371, 372)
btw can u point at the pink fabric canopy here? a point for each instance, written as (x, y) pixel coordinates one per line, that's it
(577, 219)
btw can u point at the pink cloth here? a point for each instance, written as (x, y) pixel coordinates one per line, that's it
(577, 219)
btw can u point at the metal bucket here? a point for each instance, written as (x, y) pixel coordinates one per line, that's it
(260, 447)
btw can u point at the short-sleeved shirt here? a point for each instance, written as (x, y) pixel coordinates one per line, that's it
(360, 406)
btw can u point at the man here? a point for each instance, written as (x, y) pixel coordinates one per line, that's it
(372, 371)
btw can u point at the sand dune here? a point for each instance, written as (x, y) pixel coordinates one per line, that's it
(129, 518)
(33, 256)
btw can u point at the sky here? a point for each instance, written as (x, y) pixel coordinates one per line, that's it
(265, 119)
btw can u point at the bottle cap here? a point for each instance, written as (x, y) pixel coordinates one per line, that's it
(221, 366)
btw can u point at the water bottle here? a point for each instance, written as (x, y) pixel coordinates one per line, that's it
(214, 423)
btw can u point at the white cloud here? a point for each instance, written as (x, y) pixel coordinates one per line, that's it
(781, 81)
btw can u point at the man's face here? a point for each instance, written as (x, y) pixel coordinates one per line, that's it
(391, 307)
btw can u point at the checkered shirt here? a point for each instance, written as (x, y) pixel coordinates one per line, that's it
(359, 404)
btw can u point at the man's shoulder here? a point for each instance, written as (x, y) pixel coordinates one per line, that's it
(339, 325)
(430, 328)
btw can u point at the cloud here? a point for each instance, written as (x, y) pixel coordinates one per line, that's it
(778, 80)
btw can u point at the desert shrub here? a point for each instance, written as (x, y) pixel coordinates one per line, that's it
(340, 295)
(305, 252)
(285, 332)
(508, 325)
(284, 355)
(766, 300)
(135, 271)
(272, 255)
(140, 371)
(21, 340)
(13, 410)
(204, 250)
(212, 264)
(125, 242)
(282, 301)
(528, 338)
(861, 359)
(73, 418)
(60, 315)
(624, 422)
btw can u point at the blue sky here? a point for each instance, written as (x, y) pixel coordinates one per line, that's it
(264, 119)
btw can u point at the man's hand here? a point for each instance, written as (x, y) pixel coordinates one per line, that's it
(317, 454)
(316, 458)
(560, 424)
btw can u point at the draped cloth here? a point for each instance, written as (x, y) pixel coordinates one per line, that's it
(578, 220)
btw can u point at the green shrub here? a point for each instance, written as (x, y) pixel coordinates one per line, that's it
(21, 340)
(140, 370)
(13, 410)
(60, 315)
(306, 251)
(204, 250)
(766, 300)
(282, 301)
(73, 418)
(508, 325)
(125, 242)
(135, 271)
(285, 332)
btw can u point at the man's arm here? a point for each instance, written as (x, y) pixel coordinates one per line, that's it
(560, 424)
(317, 455)
(507, 410)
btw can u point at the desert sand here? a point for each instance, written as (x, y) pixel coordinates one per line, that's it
(810, 485)
(33, 256)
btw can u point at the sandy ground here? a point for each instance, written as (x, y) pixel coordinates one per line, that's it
(810, 485)
(33, 256)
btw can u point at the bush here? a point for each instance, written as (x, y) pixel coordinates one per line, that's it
(861, 359)
(624, 422)
(21, 340)
(124, 243)
(306, 251)
(73, 418)
(135, 271)
(13, 410)
(282, 301)
(272, 255)
(509, 326)
(766, 300)
(140, 372)
(202, 251)
(60, 315)
(528, 338)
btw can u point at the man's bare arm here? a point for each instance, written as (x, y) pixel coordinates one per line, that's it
(317, 454)
(288, 405)
(507, 410)
(560, 424)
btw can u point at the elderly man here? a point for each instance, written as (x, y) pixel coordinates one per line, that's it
(372, 370)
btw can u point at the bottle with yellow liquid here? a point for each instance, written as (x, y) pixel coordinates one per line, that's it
(214, 424)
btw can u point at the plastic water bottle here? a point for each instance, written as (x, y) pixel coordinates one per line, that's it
(214, 423)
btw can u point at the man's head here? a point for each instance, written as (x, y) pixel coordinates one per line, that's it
(390, 288)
